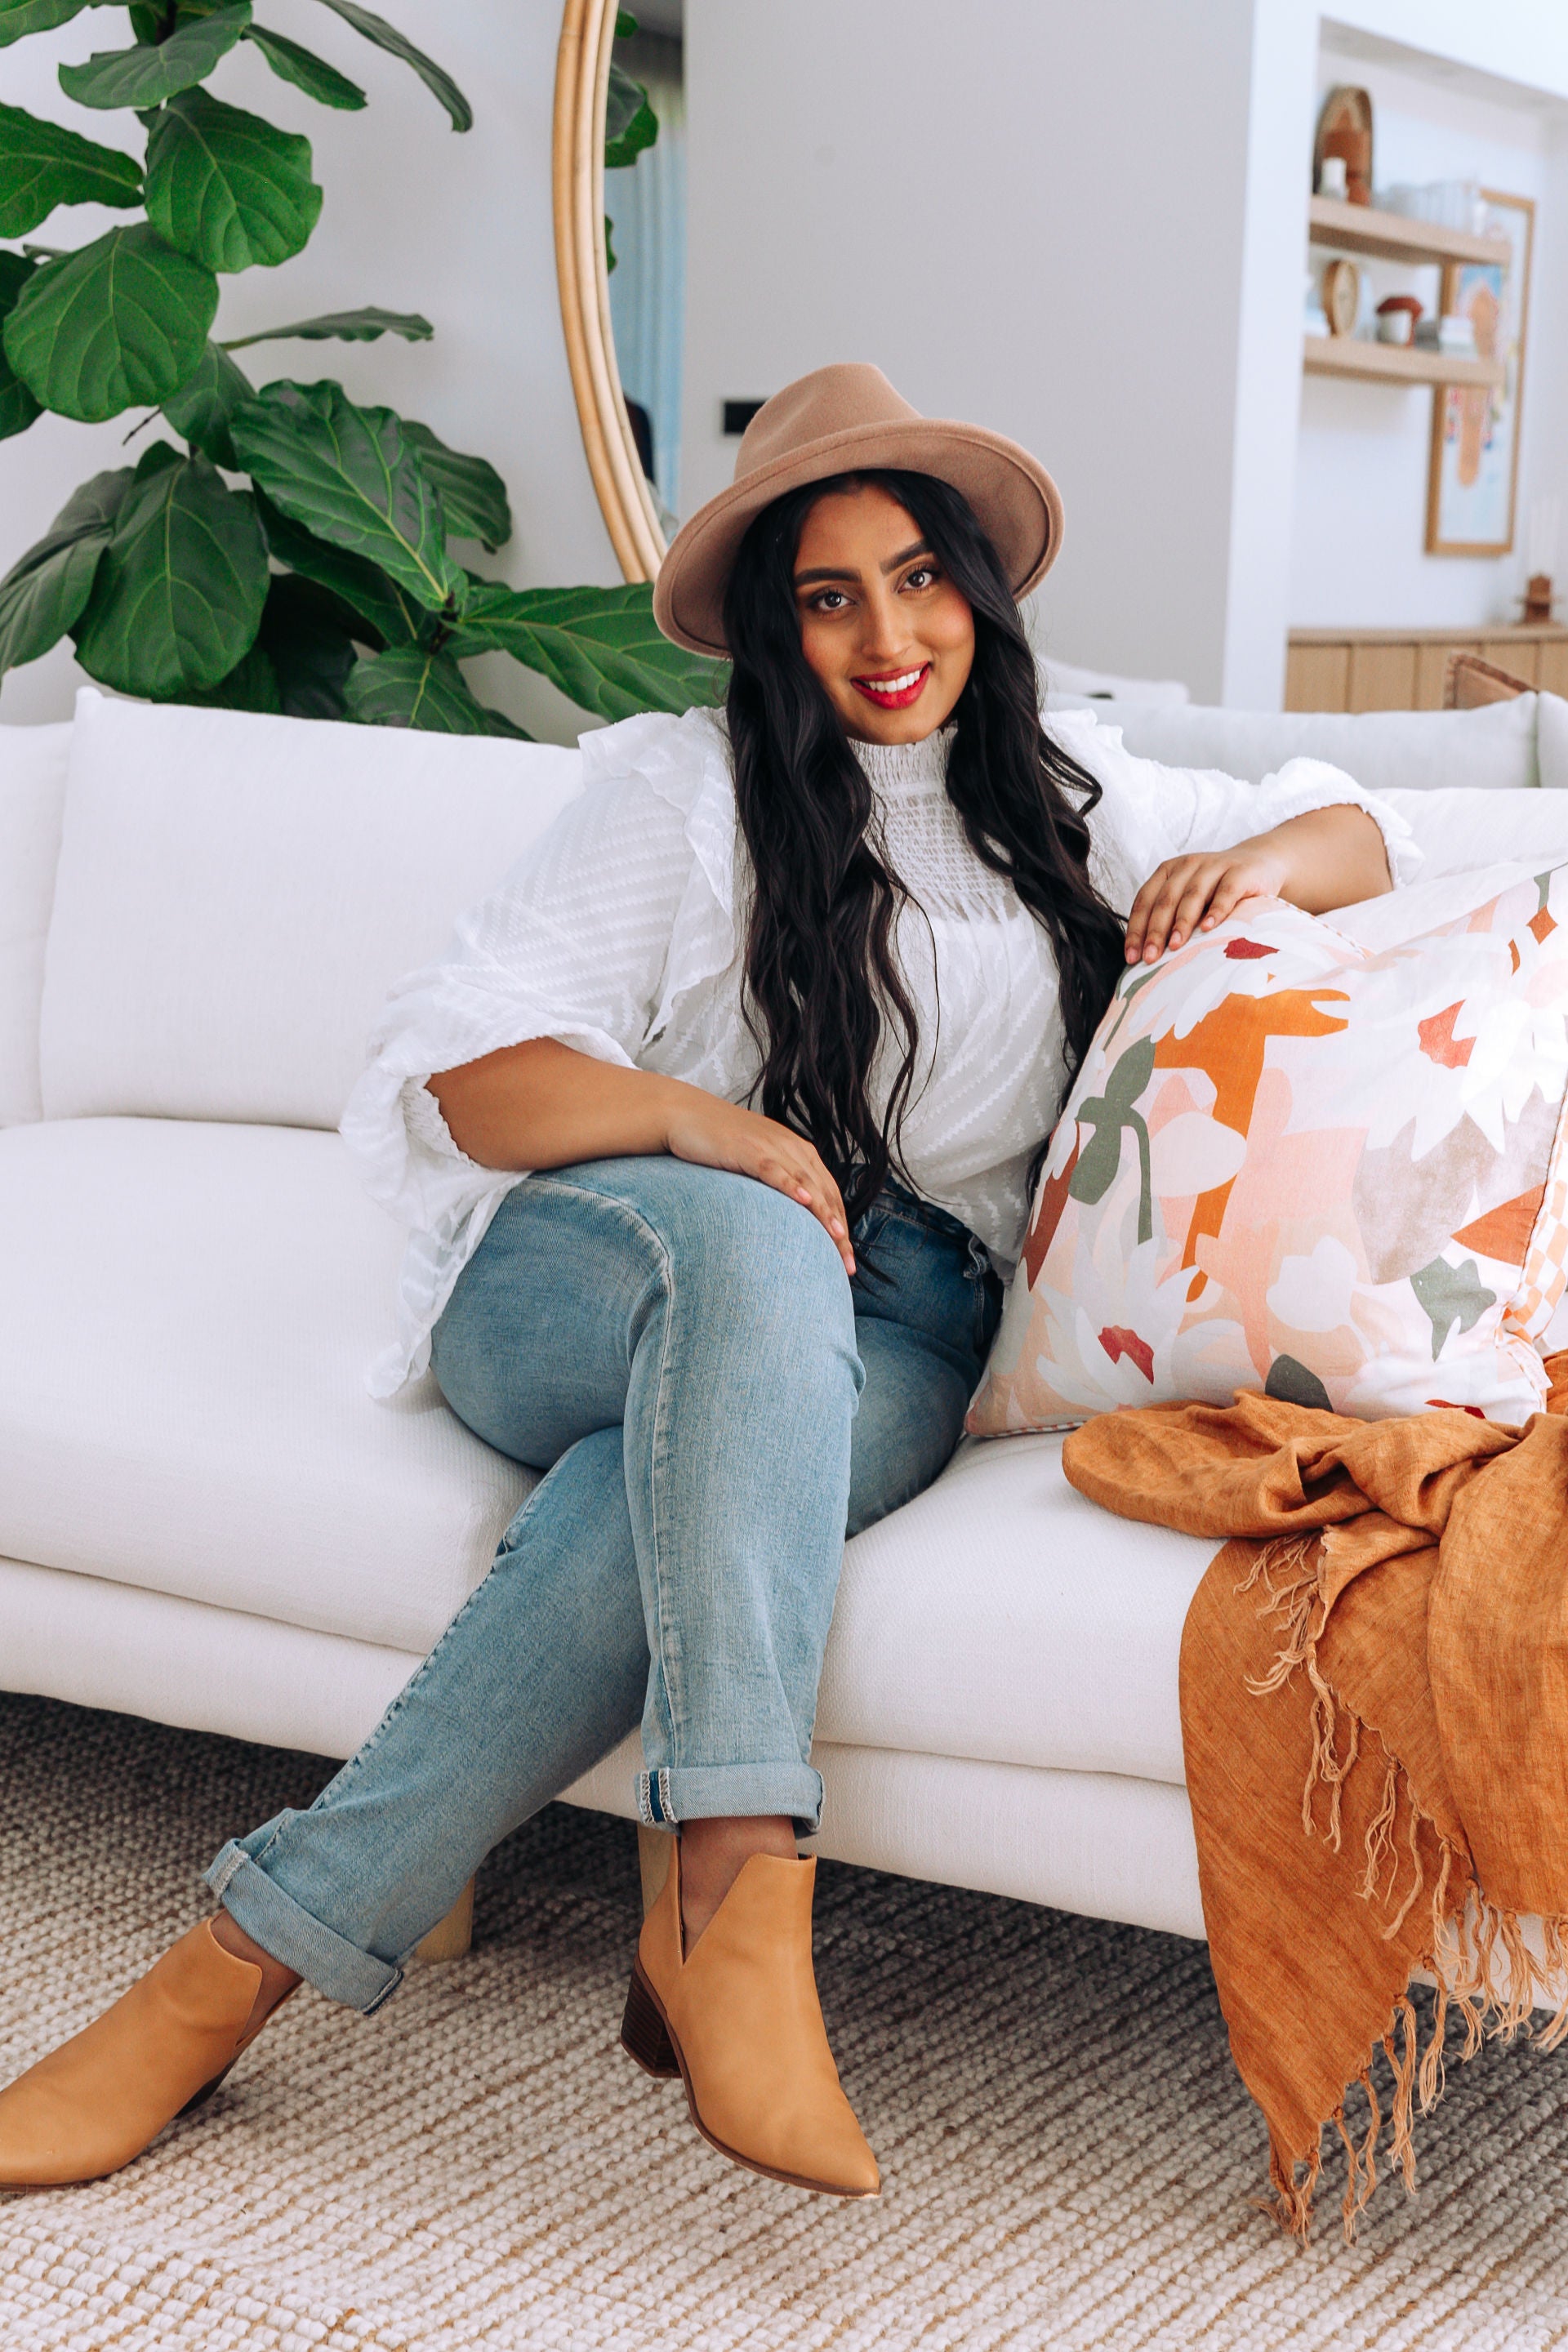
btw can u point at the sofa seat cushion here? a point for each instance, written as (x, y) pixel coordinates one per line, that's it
(1000, 1616)
(188, 1309)
(187, 1313)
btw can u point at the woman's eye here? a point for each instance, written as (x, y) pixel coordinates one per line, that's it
(831, 600)
(921, 576)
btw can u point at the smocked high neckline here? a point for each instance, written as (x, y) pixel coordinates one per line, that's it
(897, 770)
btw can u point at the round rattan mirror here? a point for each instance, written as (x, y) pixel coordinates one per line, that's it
(582, 83)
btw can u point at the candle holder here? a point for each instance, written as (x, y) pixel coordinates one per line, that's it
(1538, 597)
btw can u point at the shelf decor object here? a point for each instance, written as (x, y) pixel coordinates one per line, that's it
(1341, 295)
(1473, 476)
(1344, 129)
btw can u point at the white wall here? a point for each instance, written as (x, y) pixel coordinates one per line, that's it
(1357, 557)
(415, 218)
(1521, 42)
(1006, 207)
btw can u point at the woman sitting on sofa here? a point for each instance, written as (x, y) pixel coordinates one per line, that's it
(715, 1129)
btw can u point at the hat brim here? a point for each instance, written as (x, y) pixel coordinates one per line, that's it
(1018, 505)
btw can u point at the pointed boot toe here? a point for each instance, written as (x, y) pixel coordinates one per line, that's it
(101, 2098)
(742, 2024)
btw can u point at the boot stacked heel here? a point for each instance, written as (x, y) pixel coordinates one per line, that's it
(643, 2034)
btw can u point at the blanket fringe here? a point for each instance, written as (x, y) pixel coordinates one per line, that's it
(1484, 1970)
(1290, 2204)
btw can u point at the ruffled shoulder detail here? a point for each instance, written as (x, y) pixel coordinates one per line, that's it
(686, 761)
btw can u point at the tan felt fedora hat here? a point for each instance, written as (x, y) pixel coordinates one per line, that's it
(843, 420)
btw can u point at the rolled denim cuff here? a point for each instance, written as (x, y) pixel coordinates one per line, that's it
(697, 1792)
(283, 1927)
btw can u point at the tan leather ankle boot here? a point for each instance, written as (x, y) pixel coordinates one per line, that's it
(741, 2022)
(103, 2096)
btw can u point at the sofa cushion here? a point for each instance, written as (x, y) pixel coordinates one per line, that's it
(236, 893)
(187, 1312)
(1456, 828)
(1552, 741)
(32, 800)
(1000, 1616)
(1329, 1170)
(1489, 751)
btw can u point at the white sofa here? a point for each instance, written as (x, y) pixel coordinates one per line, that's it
(203, 1517)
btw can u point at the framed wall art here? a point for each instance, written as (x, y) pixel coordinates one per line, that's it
(1474, 470)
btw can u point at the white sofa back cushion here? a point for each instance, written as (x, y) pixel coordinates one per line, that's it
(32, 799)
(236, 894)
(1458, 830)
(1490, 750)
(1552, 741)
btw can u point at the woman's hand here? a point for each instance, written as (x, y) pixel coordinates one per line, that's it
(717, 1134)
(1330, 858)
(1191, 894)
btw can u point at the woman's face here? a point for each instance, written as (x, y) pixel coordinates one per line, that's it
(881, 623)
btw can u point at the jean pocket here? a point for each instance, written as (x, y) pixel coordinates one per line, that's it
(989, 1297)
(867, 1229)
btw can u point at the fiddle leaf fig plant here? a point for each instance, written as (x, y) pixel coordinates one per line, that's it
(289, 549)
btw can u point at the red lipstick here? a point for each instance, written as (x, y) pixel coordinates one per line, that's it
(895, 689)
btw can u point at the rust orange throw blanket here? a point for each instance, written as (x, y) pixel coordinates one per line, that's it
(1374, 1712)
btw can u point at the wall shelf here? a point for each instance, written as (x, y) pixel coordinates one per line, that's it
(1394, 363)
(1360, 228)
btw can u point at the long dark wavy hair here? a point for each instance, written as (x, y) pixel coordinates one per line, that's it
(822, 977)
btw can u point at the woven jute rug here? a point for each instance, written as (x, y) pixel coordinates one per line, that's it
(1068, 2158)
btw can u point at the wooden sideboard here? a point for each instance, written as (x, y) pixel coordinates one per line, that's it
(1402, 669)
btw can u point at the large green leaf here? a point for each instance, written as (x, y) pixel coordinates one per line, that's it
(42, 164)
(630, 122)
(599, 646)
(17, 406)
(342, 326)
(413, 687)
(387, 615)
(148, 74)
(225, 187)
(20, 17)
(473, 496)
(350, 475)
(308, 635)
(388, 36)
(306, 70)
(44, 594)
(251, 685)
(119, 323)
(179, 593)
(200, 410)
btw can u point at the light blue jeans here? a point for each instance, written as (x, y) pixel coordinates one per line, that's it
(715, 1405)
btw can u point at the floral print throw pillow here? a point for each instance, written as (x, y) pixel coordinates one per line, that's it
(1336, 1172)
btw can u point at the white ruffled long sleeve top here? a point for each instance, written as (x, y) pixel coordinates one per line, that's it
(621, 932)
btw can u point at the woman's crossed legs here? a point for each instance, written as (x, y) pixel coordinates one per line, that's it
(680, 1350)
